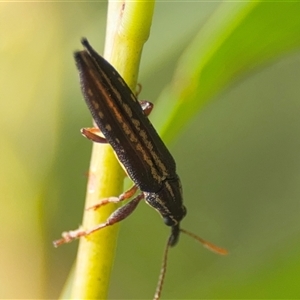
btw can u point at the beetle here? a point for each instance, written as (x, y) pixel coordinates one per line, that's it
(124, 123)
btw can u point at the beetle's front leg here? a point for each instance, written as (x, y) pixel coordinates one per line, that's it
(117, 216)
(124, 196)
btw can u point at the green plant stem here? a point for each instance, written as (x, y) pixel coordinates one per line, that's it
(128, 28)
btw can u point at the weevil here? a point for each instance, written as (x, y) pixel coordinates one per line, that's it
(124, 123)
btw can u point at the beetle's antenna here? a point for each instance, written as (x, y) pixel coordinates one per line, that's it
(162, 271)
(205, 243)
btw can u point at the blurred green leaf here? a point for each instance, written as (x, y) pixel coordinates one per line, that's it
(236, 39)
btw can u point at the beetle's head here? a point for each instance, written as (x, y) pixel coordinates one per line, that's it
(168, 202)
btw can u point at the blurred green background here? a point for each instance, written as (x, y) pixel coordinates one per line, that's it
(238, 158)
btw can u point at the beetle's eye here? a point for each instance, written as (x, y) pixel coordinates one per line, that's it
(169, 222)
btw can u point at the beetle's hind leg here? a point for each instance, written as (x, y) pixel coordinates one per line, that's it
(117, 216)
(93, 135)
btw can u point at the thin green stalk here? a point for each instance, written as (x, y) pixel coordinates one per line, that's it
(128, 28)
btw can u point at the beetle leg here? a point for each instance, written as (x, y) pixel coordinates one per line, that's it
(147, 107)
(90, 133)
(124, 196)
(120, 214)
(138, 89)
(117, 216)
